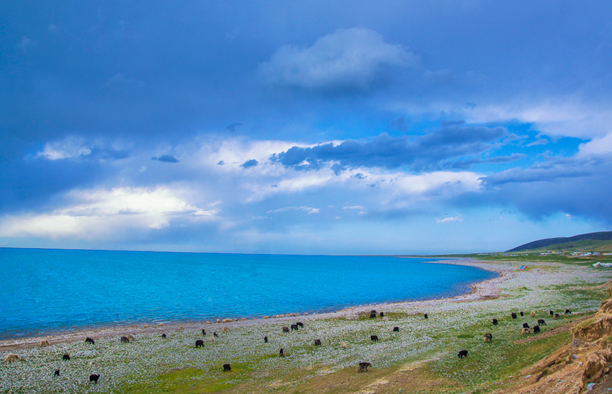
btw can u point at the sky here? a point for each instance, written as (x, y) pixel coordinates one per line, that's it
(306, 127)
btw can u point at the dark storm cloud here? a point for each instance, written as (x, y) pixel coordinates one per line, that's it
(166, 159)
(421, 153)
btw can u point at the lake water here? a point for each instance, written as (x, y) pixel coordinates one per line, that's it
(45, 291)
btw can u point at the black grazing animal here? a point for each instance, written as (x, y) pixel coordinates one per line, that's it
(265, 339)
(462, 353)
(94, 378)
(203, 332)
(372, 314)
(557, 316)
(125, 340)
(568, 312)
(163, 335)
(56, 373)
(285, 329)
(282, 352)
(300, 324)
(551, 313)
(541, 322)
(317, 342)
(89, 340)
(66, 357)
(215, 334)
(513, 315)
(199, 343)
(521, 312)
(425, 316)
(374, 338)
(294, 327)
(395, 329)
(363, 367)
(525, 325)
(227, 368)
(382, 314)
(536, 329)
(495, 322)
(488, 337)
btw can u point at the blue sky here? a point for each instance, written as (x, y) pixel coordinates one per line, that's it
(356, 127)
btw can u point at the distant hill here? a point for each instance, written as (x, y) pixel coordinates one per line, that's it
(600, 241)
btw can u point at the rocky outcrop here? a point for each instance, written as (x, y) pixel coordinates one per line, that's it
(570, 369)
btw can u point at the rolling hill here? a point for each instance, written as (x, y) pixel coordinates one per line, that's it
(597, 242)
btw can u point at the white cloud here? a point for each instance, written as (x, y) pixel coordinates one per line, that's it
(360, 207)
(68, 148)
(597, 146)
(306, 209)
(561, 117)
(347, 58)
(450, 219)
(106, 213)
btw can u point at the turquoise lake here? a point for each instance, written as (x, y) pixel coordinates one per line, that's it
(43, 291)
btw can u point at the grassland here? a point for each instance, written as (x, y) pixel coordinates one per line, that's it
(421, 357)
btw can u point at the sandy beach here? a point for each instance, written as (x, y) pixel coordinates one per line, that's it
(453, 323)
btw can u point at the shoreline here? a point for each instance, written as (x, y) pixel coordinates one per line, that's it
(479, 291)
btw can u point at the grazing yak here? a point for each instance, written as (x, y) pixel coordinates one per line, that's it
(513, 315)
(372, 314)
(294, 327)
(44, 343)
(525, 331)
(125, 340)
(541, 322)
(343, 345)
(57, 373)
(94, 378)
(285, 329)
(462, 354)
(300, 324)
(203, 332)
(66, 357)
(551, 313)
(382, 314)
(557, 316)
(227, 368)
(495, 322)
(488, 337)
(163, 335)
(215, 334)
(265, 339)
(374, 338)
(317, 342)
(536, 329)
(282, 352)
(226, 329)
(395, 329)
(363, 367)
(199, 343)
(521, 312)
(11, 357)
(90, 340)
(568, 312)
(425, 316)
(525, 325)
(532, 313)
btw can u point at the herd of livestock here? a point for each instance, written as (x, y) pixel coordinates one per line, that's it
(363, 366)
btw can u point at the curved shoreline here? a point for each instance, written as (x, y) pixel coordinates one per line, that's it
(484, 290)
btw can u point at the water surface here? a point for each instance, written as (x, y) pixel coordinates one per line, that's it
(45, 290)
